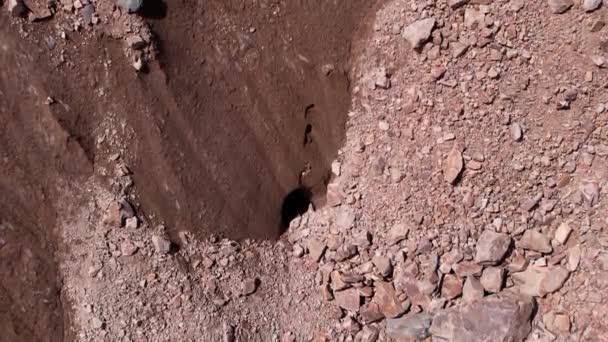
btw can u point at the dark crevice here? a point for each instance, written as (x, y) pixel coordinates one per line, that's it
(307, 137)
(296, 203)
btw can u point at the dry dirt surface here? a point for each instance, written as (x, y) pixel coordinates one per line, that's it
(304, 171)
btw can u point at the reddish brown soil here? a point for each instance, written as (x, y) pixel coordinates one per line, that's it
(215, 129)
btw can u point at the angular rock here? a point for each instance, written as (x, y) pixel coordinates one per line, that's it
(516, 131)
(590, 191)
(467, 268)
(453, 166)
(591, 5)
(370, 313)
(345, 219)
(383, 264)
(131, 223)
(562, 233)
(504, 317)
(417, 291)
(334, 196)
(381, 80)
(337, 281)
(418, 32)
(458, 49)
(367, 334)
(161, 245)
(348, 299)
(472, 289)
(560, 6)
(518, 263)
(249, 286)
(449, 259)
(438, 72)
(473, 17)
(530, 203)
(561, 323)
(574, 258)
(537, 281)
(451, 286)
(387, 300)
(491, 247)
(492, 279)
(316, 249)
(398, 233)
(411, 327)
(599, 61)
(535, 241)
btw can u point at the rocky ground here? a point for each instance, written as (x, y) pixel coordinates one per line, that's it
(467, 204)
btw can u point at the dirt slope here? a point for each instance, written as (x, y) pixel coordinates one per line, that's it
(240, 102)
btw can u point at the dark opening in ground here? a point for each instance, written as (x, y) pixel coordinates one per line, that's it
(296, 203)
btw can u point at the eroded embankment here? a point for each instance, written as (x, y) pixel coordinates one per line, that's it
(246, 104)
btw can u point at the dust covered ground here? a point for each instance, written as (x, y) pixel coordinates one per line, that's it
(146, 157)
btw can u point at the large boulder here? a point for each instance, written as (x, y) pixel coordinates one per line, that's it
(504, 317)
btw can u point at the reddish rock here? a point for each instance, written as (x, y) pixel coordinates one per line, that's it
(387, 300)
(316, 249)
(538, 281)
(492, 279)
(383, 264)
(398, 233)
(467, 268)
(451, 286)
(491, 247)
(370, 313)
(472, 289)
(453, 166)
(337, 281)
(348, 299)
(412, 289)
(535, 241)
(504, 317)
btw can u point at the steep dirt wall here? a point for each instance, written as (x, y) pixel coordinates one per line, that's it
(240, 84)
(243, 99)
(37, 157)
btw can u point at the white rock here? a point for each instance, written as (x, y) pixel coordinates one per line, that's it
(336, 168)
(419, 32)
(574, 258)
(453, 166)
(473, 17)
(516, 131)
(599, 61)
(131, 223)
(161, 245)
(591, 5)
(560, 6)
(562, 233)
